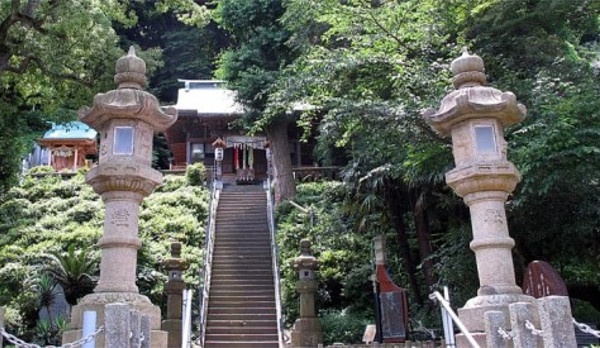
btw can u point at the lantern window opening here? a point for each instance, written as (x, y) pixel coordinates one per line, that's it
(123, 141)
(485, 138)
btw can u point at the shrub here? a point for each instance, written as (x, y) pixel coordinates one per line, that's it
(196, 174)
(341, 326)
(41, 170)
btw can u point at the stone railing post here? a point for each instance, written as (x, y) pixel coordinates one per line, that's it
(494, 321)
(520, 314)
(557, 322)
(117, 325)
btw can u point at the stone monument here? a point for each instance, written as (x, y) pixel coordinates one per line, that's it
(475, 116)
(174, 266)
(307, 329)
(126, 119)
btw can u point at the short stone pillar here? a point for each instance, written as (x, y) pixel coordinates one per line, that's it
(556, 322)
(307, 329)
(126, 119)
(174, 266)
(475, 116)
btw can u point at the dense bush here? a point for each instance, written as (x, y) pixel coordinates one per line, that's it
(196, 174)
(47, 213)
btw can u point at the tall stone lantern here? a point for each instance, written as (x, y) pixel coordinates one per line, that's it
(307, 329)
(126, 119)
(475, 115)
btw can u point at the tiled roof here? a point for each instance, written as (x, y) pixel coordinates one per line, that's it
(208, 97)
(71, 130)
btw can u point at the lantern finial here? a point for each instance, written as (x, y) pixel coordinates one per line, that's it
(468, 70)
(130, 71)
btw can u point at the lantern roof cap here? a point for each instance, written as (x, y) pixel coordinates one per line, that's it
(130, 71)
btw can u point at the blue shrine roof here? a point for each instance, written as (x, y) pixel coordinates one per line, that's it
(71, 130)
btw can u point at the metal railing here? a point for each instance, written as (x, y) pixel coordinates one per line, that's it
(448, 316)
(186, 310)
(275, 265)
(208, 256)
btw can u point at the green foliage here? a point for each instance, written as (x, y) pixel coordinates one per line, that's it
(196, 174)
(45, 214)
(340, 326)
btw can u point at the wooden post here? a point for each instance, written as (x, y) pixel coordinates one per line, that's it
(75, 159)
(49, 156)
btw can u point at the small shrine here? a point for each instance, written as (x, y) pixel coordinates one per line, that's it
(68, 144)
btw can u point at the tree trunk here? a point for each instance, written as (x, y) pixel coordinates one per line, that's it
(285, 186)
(424, 241)
(396, 213)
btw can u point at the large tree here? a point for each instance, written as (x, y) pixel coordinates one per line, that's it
(251, 66)
(54, 55)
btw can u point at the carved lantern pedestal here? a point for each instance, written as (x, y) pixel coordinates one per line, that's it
(126, 119)
(475, 116)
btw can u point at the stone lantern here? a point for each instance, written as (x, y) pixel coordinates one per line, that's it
(126, 119)
(307, 329)
(475, 115)
(174, 266)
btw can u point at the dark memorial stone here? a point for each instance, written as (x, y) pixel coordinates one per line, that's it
(393, 306)
(392, 315)
(541, 280)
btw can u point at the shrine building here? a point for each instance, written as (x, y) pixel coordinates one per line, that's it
(206, 109)
(66, 146)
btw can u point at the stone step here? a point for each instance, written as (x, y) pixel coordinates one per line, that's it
(243, 297)
(247, 344)
(243, 323)
(241, 317)
(243, 276)
(222, 265)
(235, 283)
(242, 310)
(219, 330)
(241, 304)
(248, 292)
(247, 337)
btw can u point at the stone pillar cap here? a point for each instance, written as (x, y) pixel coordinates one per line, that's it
(130, 71)
(468, 70)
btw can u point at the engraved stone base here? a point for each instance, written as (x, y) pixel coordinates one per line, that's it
(97, 301)
(472, 314)
(306, 333)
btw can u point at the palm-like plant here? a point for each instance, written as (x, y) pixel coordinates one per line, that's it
(73, 271)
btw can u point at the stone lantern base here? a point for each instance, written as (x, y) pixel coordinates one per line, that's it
(97, 302)
(473, 313)
(306, 333)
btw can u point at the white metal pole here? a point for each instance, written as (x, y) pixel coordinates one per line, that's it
(89, 327)
(184, 326)
(448, 325)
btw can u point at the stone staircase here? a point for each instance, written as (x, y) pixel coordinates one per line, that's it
(241, 306)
